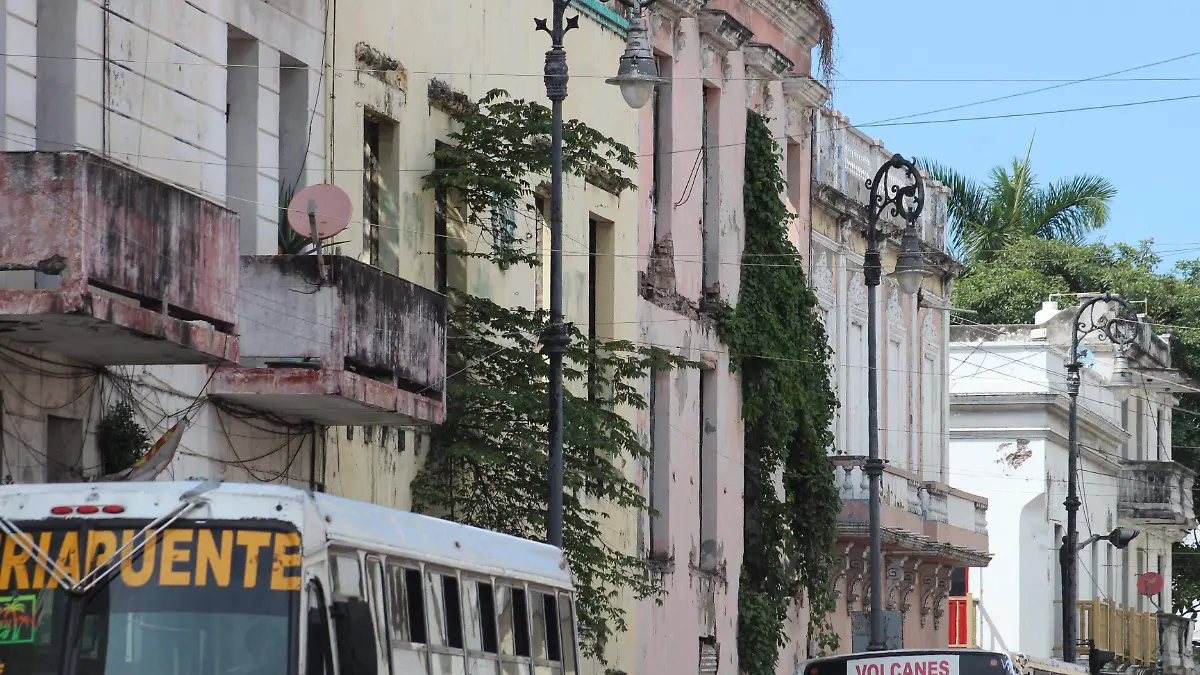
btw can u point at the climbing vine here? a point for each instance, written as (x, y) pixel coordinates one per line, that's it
(497, 146)
(779, 346)
(488, 462)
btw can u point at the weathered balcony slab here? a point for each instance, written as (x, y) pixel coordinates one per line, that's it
(361, 347)
(1157, 493)
(926, 517)
(107, 266)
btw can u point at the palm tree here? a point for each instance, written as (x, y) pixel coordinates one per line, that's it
(984, 218)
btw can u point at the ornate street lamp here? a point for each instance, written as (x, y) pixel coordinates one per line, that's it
(637, 77)
(906, 201)
(1121, 330)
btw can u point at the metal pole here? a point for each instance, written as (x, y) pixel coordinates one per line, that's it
(1067, 551)
(873, 270)
(905, 201)
(1109, 329)
(555, 337)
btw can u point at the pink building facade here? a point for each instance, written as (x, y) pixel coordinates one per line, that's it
(722, 58)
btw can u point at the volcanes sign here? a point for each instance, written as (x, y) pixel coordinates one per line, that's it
(916, 664)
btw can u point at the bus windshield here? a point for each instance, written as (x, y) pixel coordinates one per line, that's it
(199, 599)
(913, 662)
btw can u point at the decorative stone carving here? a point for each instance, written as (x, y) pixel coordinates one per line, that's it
(765, 61)
(942, 597)
(841, 565)
(676, 9)
(656, 23)
(894, 568)
(707, 57)
(726, 33)
(858, 293)
(726, 69)
(681, 38)
(895, 313)
(930, 339)
(929, 590)
(768, 99)
(908, 582)
(753, 88)
(823, 279)
(856, 579)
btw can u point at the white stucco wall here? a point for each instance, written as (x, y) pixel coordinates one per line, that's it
(1008, 442)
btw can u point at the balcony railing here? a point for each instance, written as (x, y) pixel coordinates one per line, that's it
(847, 158)
(1130, 634)
(964, 624)
(1157, 493)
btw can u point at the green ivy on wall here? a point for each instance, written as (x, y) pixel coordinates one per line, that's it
(779, 346)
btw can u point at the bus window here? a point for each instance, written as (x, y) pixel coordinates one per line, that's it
(514, 621)
(416, 606)
(481, 617)
(546, 643)
(378, 610)
(319, 656)
(347, 577)
(566, 622)
(444, 610)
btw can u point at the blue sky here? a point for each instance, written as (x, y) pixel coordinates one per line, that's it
(1148, 152)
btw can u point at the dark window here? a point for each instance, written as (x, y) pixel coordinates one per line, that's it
(958, 582)
(318, 632)
(416, 606)
(521, 622)
(454, 627)
(553, 640)
(487, 618)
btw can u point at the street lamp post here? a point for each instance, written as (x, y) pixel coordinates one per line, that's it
(1122, 330)
(637, 77)
(906, 201)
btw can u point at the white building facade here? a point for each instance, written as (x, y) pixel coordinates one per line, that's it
(1009, 442)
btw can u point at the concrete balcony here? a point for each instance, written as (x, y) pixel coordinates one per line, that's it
(360, 348)
(104, 265)
(1157, 494)
(924, 514)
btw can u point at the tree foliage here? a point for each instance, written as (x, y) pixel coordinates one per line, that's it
(498, 145)
(1011, 205)
(778, 344)
(488, 463)
(1010, 286)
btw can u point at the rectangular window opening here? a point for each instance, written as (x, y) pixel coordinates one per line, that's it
(553, 640)
(371, 180)
(294, 108)
(660, 470)
(416, 606)
(661, 190)
(487, 618)
(453, 608)
(64, 449)
(710, 216)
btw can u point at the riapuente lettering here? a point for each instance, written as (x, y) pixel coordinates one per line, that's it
(230, 558)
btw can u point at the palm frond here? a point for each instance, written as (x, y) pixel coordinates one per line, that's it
(1069, 209)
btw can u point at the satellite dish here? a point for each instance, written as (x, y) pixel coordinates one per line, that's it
(328, 203)
(1150, 583)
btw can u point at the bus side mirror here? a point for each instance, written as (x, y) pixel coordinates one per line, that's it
(355, 637)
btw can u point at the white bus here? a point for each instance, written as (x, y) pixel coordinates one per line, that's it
(210, 578)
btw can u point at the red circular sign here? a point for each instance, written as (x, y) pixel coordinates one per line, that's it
(1150, 583)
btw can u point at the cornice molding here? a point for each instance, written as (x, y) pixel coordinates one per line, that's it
(800, 20)
(806, 91)
(766, 61)
(678, 9)
(725, 33)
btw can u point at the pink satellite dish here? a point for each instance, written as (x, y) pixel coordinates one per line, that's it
(331, 205)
